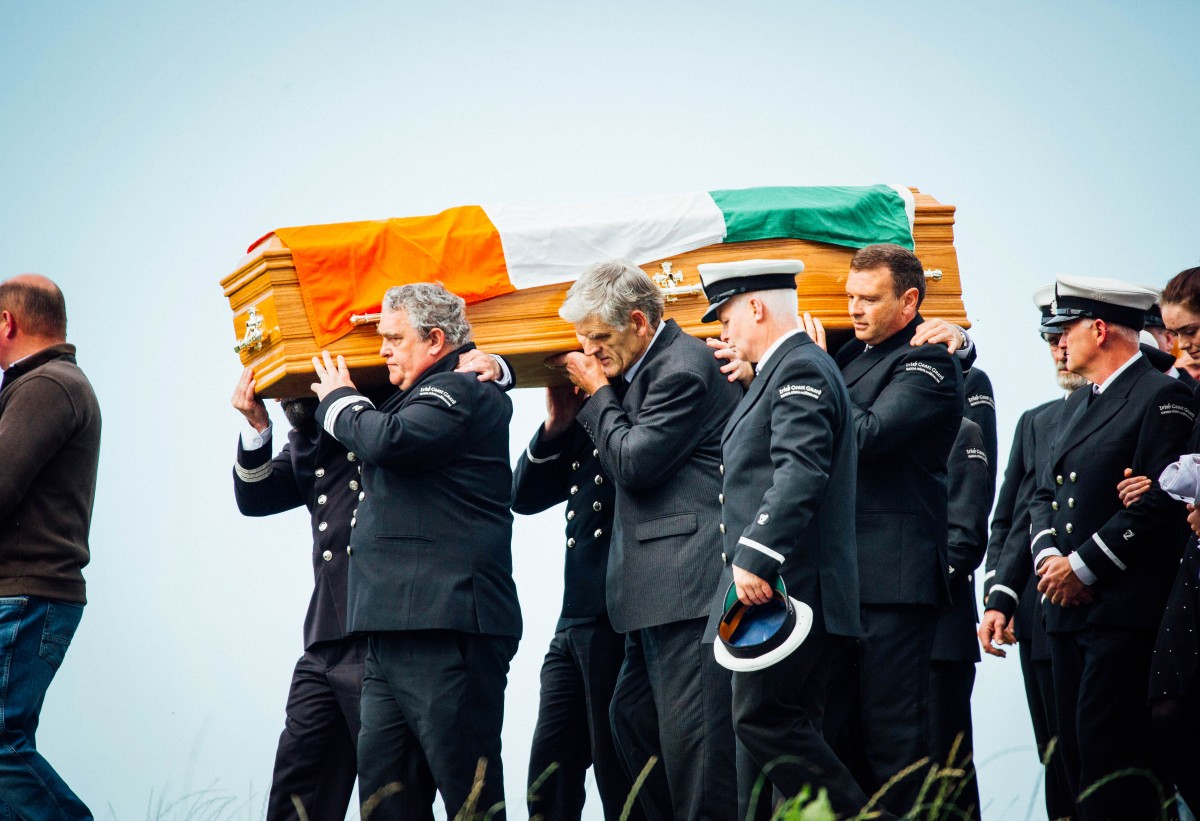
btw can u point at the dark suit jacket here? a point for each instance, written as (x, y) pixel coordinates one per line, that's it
(788, 496)
(1009, 584)
(662, 447)
(1141, 421)
(567, 468)
(312, 470)
(431, 544)
(970, 501)
(908, 403)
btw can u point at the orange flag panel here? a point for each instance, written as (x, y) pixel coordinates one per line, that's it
(344, 268)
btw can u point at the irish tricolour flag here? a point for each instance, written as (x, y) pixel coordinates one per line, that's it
(479, 252)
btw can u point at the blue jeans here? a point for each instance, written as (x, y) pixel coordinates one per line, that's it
(34, 636)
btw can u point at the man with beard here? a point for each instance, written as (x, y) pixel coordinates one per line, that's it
(315, 761)
(1010, 587)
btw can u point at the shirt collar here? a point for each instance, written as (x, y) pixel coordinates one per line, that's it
(633, 369)
(762, 360)
(1102, 387)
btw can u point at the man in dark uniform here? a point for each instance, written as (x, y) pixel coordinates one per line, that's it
(580, 669)
(789, 460)
(315, 761)
(430, 579)
(1106, 570)
(1010, 586)
(908, 403)
(660, 444)
(955, 651)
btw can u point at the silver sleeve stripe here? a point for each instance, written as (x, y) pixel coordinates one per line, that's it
(253, 474)
(340, 405)
(762, 548)
(1002, 589)
(988, 575)
(1096, 538)
(537, 461)
(1034, 540)
(1049, 551)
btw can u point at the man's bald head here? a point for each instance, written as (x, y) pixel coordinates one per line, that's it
(36, 306)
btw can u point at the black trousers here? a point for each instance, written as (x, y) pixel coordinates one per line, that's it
(1100, 680)
(673, 700)
(951, 737)
(315, 763)
(1039, 695)
(878, 714)
(573, 730)
(778, 714)
(432, 708)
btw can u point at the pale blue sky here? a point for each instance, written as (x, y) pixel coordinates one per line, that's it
(144, 145)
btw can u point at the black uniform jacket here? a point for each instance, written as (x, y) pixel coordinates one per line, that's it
(908, 403)
(788, 498)
(981, 409)
(1141, 421)
(567, 467)
(1009, 584)
(431, 543)
(970, 502)
(312, 470)
(661, 444)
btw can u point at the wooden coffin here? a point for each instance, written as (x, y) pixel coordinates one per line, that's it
(272, 332)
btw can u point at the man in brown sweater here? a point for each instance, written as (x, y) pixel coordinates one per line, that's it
(50, 444)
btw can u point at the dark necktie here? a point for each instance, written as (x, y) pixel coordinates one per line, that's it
(1092, 396)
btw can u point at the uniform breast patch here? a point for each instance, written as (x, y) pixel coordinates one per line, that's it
(925, 368)
(975, 400)
(800, 390)
(1179, 410)
(437, 393)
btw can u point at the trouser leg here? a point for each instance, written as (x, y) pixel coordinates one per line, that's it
(693, 699)
(394, 779)
(634, 721)
(449, 687)
(894, 657)
(1039, 693)
(599, 651)
(34, 636)
(560, 754)
(951, 734)
(1112, 725)
(316, 760)
(774, 711)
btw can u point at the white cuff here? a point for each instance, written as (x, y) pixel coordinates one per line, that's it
(506, 378)
(1081, 569)
(762, 548)
(253, 440)
(965, 350)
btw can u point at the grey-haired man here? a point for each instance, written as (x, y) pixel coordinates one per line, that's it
(657, 405)
(430, 579)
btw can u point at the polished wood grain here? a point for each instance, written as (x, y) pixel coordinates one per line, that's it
(525, 327)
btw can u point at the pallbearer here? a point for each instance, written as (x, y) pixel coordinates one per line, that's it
(787, 514)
